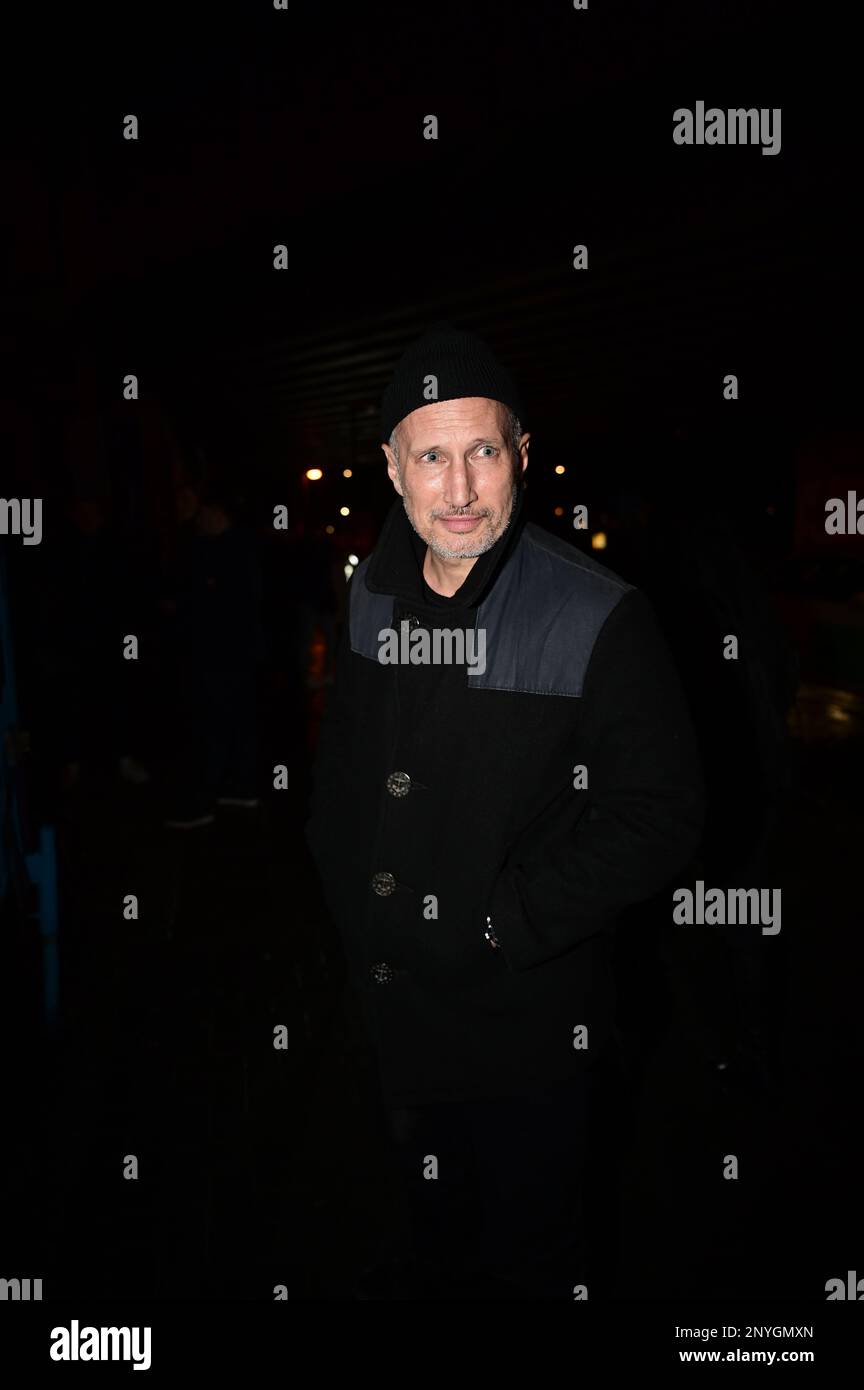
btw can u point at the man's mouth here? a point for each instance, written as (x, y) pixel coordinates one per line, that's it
(461, 523)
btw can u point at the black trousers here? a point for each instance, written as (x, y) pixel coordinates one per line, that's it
(496, 1188)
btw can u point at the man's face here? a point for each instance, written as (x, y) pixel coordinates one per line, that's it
(456, 474)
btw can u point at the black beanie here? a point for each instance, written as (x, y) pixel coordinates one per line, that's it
(463, 365)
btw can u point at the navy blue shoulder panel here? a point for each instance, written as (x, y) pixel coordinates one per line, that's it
(369, 613)
(541, 618)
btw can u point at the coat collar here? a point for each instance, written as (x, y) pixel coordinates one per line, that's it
(396, 564)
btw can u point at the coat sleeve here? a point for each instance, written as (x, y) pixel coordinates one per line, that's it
(593, 853)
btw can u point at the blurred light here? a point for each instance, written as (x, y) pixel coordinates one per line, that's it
(313, 474)
(598, 540)
(349, 570)
(346, 473)
(344, 511)
(559, 468)
(352, 560)
(559, 511)
(837, 713)
(329, 530)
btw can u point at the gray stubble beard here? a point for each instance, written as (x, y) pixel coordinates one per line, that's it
(444, 553)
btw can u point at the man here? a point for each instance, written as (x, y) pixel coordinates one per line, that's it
(478, 823)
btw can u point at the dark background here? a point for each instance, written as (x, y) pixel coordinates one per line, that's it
(154, 256)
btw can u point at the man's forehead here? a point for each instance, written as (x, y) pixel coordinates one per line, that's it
(465, 415)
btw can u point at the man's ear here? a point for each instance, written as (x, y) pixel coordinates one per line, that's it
(523, 450)
(392, 468)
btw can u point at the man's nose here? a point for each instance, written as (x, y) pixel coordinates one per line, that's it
(459, 485)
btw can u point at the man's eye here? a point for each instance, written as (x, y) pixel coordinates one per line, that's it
(429, 455)
(489, 446)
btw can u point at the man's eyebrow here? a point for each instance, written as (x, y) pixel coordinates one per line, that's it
(481, 439)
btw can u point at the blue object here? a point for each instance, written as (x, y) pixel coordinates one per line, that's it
(39, 866)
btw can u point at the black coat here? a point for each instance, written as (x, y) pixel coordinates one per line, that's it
(484, 818)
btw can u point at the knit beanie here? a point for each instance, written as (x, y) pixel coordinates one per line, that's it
(462, 365)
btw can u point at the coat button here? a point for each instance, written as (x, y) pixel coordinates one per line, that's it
(382, 973)
(398, 784)
(383, 884)
(411, 619)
